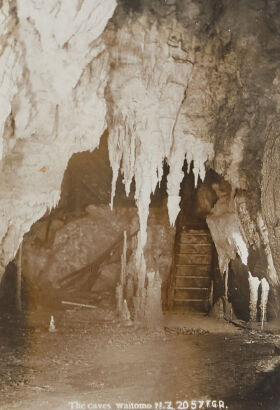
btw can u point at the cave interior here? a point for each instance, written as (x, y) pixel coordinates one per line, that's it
(139, 204)
(87, 268)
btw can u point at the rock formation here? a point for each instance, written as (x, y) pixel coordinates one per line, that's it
(171, 81)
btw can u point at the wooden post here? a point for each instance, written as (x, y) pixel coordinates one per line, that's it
(123, 261)
(19, 278)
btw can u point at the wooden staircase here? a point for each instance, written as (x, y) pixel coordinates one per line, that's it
(191, 279)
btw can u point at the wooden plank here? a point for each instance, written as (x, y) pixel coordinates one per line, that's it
(190, 305)
(191, 293)
(195, 248)
(192, 281)
(194, 239)
(192, 259)
(193, 270)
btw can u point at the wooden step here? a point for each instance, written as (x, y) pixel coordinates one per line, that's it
(192, 273)
(192, 281)
(199, 248)
(195, 239)
(193, 259)
(191, 293)
(193, 270)
(189, 305)
(193, 231)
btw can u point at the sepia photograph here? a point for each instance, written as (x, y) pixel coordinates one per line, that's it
(140, 204)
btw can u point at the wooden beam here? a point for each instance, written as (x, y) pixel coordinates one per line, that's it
(19, 280)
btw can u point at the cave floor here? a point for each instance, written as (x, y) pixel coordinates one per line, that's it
(91, 359)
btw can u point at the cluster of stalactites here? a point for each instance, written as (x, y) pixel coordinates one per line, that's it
(148, 119)
(196, 153)
(143, 160)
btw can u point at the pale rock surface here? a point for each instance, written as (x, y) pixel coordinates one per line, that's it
(52, 91)
(254, 283)
(226, 229)
(264, 299)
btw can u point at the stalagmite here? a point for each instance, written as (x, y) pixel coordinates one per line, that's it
(254, 284)
(153, 308)
(125, 314)
(121, 286)
(129, 290)
(52, 325)
(119, 298)
(264, 299)
(139, 303)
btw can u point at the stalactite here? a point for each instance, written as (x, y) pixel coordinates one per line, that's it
(264, 299)
(196, 152)
(143, 117)
(254, 284)
(137, 157)
(237, 240)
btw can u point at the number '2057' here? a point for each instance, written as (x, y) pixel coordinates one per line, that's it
(200, 404)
